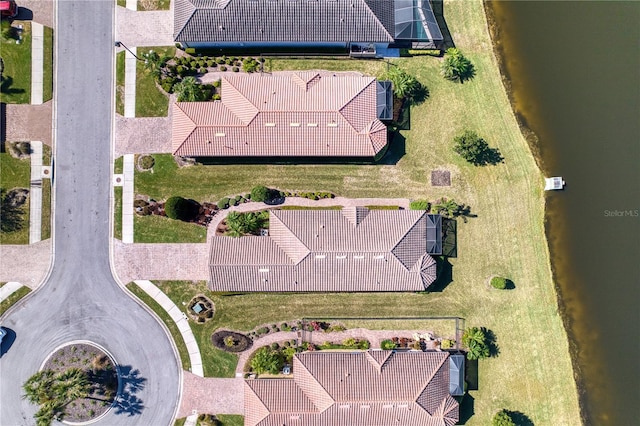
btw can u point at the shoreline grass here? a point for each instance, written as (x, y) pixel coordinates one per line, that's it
(13, 299)
(166, 319)
(150, 101)
(16, 87)
(533, 372)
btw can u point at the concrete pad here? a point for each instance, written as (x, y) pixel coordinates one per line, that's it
(37, 63)
(118, 180)
(153, 28)
(130, 83)
(132, 4)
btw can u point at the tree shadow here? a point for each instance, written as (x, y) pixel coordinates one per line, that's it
(494, 349)
(130, 383)
(520, 419)
(420, 95)
(464, 211)
(510, 285)
(5, 86)
(444, 275)
(467, 74)
(490, 156)
(466, 409)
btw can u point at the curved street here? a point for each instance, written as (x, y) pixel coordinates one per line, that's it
(80, 299)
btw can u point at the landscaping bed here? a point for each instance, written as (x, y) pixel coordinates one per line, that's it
(231, 341)
(101, 372)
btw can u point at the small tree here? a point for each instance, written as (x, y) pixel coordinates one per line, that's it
(261, 193)
(266, 360)
(470, 146)
(181, 209)
(406, 86)
(188, 90)
(475, 340)
(456, 67)
(154, 63)
(503, 418)
(499, 282)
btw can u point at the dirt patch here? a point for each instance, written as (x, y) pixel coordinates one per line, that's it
(231, 341)
(441, 178)
(19, 150)
(101, 372)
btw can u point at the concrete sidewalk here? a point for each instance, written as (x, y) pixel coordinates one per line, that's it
(37, 63)
(8, 289)
(35, 193)
(180, 318)
(127, 198)
(130, 83)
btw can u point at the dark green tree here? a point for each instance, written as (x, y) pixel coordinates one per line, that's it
(456, 67)
(181, 209)
(261, 194)
(11, 216)
(475, 149)
(266, 360)
(244, 223)
(189, 90)
(502, 418)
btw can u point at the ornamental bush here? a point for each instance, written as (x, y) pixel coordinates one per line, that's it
(181, 209)
(419, 205)
(266, 360)
(387, 345)
(261, 194)
(503, 418)
(223, 203)
(499, 282)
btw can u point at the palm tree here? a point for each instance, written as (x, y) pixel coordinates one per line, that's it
(447, 208)
(406, 86)
(244, 223)
(188, 90)
(456, 66)
(154, 63)
(475, 339)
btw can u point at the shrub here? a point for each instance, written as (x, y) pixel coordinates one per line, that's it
(364, 344)
(387, 345)
(229, 341)
(167, 84)
(470, 146)
(499, 282)
(261, 193)
(217, 84)
(223, 68)
(235, 69)
(447, 344)
(216, 97)
(220, 61)
(249, 65)
(190, 50)
(181, 209)
(266, 360)
(214, 65)
(419, 205)
(146, 162)
(349, 342)
(502, 418)
(261, 331)
(223, 203)
(210, 62)
(275, 346)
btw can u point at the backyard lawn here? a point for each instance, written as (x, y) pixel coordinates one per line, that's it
(150, 101)
(16, 84)
(532, 373)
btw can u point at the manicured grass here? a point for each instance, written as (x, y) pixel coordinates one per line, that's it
(13, 298)
(157, 229)
(118, 165)
(225, 420)
(16, 87)
(532, 373)
(150, 101)
(16, 173)
(164, 316)
(46, 195)
(121, 3)
(144, 5)
(117, 212)
(310, 208)
(120, 82)
(47, 87)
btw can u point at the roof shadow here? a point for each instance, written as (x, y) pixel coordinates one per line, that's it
(438, 12)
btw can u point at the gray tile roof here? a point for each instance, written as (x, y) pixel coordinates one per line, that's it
(305, 21)
(374, 388)
(328, 250)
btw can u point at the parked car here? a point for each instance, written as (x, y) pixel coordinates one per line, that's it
(3, 333)
(8, 9)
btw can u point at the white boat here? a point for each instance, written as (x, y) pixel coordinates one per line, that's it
(553, 183)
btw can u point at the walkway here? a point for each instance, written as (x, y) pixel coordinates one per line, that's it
(180, 318)
(211, 395)
(318, 337)
(8, 289)
(35, 193)
(128, 170)
(130, 82)
(37, 63)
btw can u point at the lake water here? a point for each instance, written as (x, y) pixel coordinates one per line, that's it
(575, 70)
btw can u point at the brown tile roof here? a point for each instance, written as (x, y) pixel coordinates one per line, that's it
(353, 249)
(306, 113)
(374, 388)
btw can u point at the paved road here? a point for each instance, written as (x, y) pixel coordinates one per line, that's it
(81, 300)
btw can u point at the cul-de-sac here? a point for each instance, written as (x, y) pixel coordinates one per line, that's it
(270, 213)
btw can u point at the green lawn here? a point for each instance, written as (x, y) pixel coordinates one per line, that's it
(118, 165)
(48, 65)
(225, 420)
(13, 298)
(16, 86)
(46, 195)
(166, 319)
(117, 212)
(158, 229)
(122, 3)
(150, 101)
(533, 372)
(15, 173)
(120, 83)
(144, 5)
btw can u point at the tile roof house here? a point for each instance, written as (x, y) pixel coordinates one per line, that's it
(353, 249)
(306, 113)
(373, 388)
(304, 23)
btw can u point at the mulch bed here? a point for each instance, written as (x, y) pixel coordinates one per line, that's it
(101, 371)
(241, 342)
(441, 178)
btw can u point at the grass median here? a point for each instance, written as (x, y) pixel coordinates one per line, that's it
(47, 82)
(16, 173)
(13, 298)
(166, 319)
(120, 83)
(533, 372)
